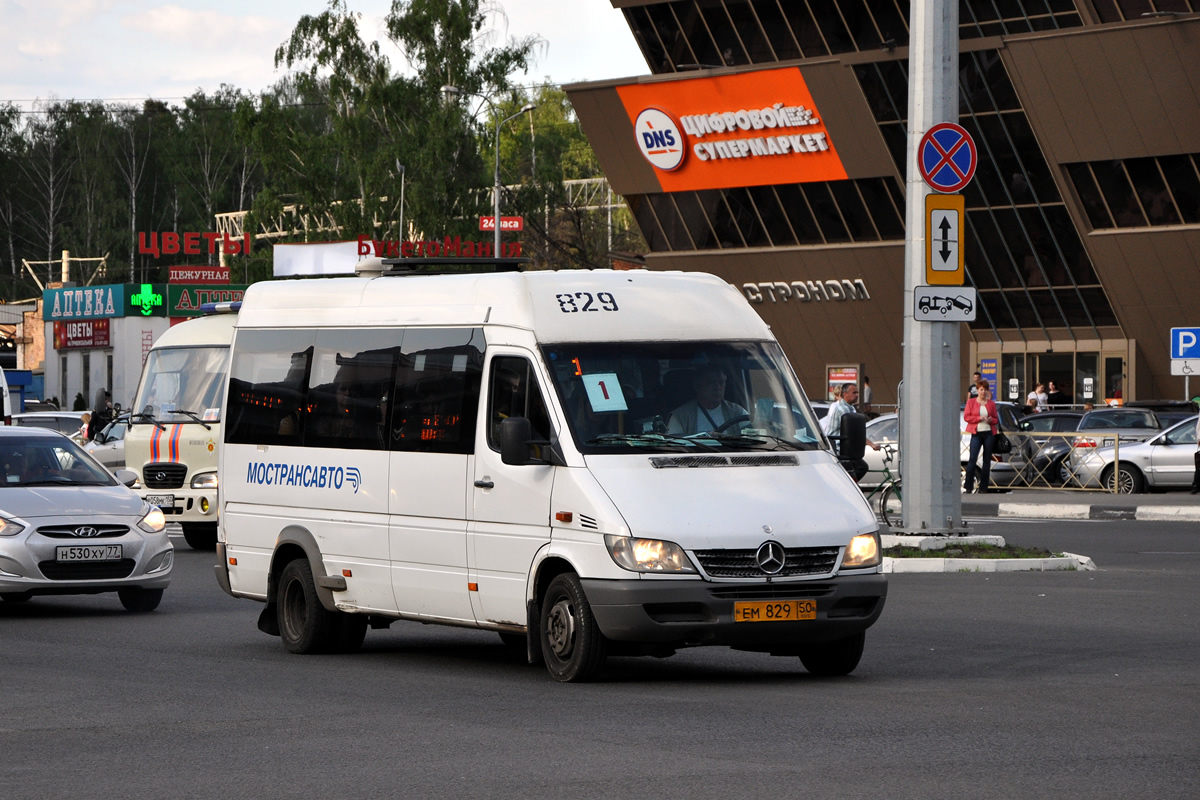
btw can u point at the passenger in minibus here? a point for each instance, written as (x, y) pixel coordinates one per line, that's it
(709, 410)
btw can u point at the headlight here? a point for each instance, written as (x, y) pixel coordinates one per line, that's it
(205, 480)
(647, 555)
(10, 528)
(153, 520)
(863, 551)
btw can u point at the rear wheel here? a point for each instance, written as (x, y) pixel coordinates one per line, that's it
(835, 658)
(572, 644)
(305, 626)
(200, 535)
(891, 505)
(140, 600)
(1124, 479)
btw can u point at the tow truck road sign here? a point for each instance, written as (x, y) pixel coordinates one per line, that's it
(944, 304)
(947, 157)
(944, 215)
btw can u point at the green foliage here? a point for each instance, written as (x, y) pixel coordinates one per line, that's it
(331, 150)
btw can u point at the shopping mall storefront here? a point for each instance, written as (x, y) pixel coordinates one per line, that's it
(768, 148)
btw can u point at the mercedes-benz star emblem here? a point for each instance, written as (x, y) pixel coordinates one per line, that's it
(86, 531)
(770, 558)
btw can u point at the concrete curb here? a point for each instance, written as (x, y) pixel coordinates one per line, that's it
(1069, 561)
(1097, 512)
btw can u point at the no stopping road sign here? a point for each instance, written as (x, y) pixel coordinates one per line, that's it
(947, 157)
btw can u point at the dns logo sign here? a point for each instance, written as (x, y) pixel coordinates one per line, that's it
(660, 138)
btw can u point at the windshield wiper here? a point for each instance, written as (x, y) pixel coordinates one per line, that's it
(648, 438)
(193, 415)
(150, 417)
(759, 438)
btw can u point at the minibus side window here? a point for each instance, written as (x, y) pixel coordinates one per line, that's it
(349, 388)
(267, 380)
(513, 392)
(438, 382)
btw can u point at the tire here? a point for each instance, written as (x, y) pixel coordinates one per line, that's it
(891, 505)
(305, 626)
(200, 535)
(572, 644)
(140, 600)
(834, 659)
(1128, 479)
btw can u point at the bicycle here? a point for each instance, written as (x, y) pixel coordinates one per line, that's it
(890, 505)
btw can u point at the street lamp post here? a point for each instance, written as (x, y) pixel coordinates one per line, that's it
(496, 188)
(449, 90)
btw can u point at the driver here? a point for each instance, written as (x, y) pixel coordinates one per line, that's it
(710, 411)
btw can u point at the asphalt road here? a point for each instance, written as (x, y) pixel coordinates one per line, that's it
(996, 685)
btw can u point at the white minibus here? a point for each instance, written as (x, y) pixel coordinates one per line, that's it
(175, 423)
(589, 463)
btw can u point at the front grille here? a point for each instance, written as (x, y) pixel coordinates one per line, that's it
(743, 564)
(164, 475)
(83, 571)
(72, 531)
(772, 591)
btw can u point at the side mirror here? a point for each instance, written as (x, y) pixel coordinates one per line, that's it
(515, 434)
(127, 476)
(853, 436)
(99, 438)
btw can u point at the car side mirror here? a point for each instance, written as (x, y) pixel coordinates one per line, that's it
(515, 436)
(127, 476)
(853, 436)
(99, 438)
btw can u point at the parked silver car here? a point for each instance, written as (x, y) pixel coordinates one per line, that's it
(1162, 461)
(67, 526)
(108, 445)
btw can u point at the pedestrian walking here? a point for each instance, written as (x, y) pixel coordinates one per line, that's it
(982, 423)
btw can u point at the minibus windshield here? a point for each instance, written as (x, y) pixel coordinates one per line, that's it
(182, 384)
(681, 397)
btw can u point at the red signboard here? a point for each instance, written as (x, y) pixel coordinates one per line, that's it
(199, 274)
(506, 223)
(80, 334)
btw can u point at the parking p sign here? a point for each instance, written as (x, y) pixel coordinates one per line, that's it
(1185, 343)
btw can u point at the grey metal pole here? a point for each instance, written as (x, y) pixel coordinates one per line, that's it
(930, 423)
(496, 189)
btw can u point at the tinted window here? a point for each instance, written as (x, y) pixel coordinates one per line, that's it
(267, 383)
(437, 391)
(513, 391)
(350, 383)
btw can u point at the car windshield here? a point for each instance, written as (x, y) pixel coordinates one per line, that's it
(182, 384)
(1123, 418)
(681, 397)
(48, 461)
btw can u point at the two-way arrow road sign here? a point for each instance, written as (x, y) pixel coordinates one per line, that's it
(944, 215)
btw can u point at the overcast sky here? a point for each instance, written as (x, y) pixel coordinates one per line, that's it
(134, 49)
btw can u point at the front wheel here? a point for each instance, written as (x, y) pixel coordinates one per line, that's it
(140, 600)
(200, 535)
(836, 658)
(573, 646)
(891, 505)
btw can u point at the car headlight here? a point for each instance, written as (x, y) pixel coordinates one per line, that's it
(205, 480)
(9, 527)
(863, 551)
(153, 521)
(647, 555)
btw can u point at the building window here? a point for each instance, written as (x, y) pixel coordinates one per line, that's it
(1121, 10)
(1022, 250)
(1139, 192)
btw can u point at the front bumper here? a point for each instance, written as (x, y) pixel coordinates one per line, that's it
(28, 565)
(695, 613)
